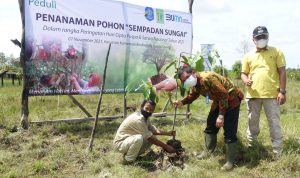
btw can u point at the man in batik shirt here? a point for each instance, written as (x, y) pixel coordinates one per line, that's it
(224, 111)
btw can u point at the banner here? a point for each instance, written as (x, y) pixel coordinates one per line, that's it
(67, 41)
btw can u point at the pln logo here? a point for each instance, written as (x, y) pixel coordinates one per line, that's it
(160, 16)
(149, 14)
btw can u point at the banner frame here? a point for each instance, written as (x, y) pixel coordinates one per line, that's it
(25, 89)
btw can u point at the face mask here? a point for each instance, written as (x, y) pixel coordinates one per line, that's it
(191, 81)
(146, 114)
(262, 43)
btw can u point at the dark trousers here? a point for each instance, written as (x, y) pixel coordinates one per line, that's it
(230, 124)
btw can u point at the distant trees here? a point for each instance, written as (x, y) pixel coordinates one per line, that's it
(220, 70)
(293, 74)
(2, 59)
(237, 68)
(10, 64)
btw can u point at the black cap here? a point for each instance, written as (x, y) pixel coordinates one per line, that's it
(260, 30)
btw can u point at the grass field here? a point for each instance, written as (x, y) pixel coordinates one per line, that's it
(59, 150)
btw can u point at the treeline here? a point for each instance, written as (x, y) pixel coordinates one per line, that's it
(235, 72)
(10, 64)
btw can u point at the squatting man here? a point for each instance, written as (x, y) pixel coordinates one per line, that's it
(136, 134)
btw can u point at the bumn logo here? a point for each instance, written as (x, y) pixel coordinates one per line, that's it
(43, 3)
(149, 14)
(174, 18)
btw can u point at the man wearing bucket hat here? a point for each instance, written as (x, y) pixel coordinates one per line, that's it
(224, 110)
(263, 72)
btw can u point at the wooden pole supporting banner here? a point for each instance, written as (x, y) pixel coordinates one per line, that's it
(79, 105)
(191, 5)
(90, 148)
(179, 114)
(188, 109)
(166, 105)
(88, 119)
(77, 120)
(23, 58)
(124, 105)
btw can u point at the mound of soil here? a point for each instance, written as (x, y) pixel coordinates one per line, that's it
(175, 144)
(176, 159)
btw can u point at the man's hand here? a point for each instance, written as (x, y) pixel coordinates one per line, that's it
(161, 144)
(248, 82)
(168, 133)
(177, 104)
(172, 133)
(281, 98)
(169, 149)
(220, 121)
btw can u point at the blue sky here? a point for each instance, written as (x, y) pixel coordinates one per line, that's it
(225, 23)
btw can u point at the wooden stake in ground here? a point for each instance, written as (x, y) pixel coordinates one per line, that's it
(90, 148)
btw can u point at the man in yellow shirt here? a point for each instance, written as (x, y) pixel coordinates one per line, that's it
(136, 134)
(263, 72)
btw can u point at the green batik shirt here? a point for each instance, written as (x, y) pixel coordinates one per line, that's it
(219, 89)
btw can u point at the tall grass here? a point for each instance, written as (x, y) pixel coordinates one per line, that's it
(59, 150)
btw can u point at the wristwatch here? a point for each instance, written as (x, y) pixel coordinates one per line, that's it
(282, 91)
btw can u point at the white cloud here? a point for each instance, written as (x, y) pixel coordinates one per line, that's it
(211, 6)
(296, 12)
(11, 27)
(178, 5)
(226, 23)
